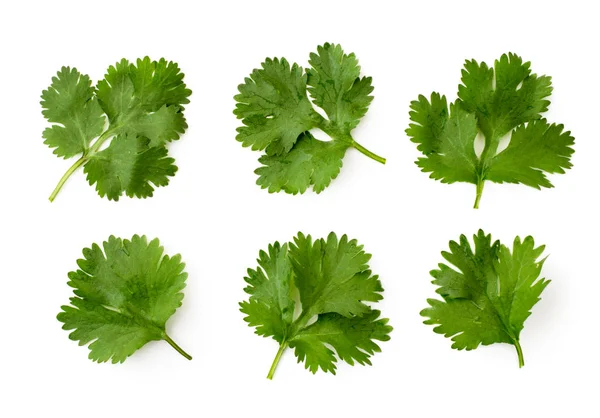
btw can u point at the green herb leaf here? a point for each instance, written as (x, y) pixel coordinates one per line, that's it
(70, 102)
(488, 294)
(351, 338)
(277, 114)
(332, 281)
(310, 162)
(142, 104)
(124, 294)
(129, 165)
(494, 101)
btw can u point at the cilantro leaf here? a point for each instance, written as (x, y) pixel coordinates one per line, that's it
(124, 294)
(336, 86)
(137, 107)
(449, 140)
(488, 294)
(70, 102)
(351, 338)
(535, 148)
(506, 99)
(332, 280)
(310, 162)
(277, 116)
(129, 165)
(274, 107)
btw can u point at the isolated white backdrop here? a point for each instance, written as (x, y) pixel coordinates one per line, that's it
(218, 219)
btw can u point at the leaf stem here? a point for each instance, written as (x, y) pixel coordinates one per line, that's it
(519, 352)
(480, 183)
(85, 157)
(176, 347)
(96, 145)
(282, 348)
(368, 153)
(334, 132)
(66, 176)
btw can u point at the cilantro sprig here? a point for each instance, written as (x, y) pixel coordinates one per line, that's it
(277, 116)
(496, 101)
(125, 291)
(137, 107)
(488, 292)
(329, 280)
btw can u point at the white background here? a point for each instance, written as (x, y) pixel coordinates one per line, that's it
(218, 219)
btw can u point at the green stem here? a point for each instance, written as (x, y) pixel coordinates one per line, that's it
(86, 156)
(300, 323)
(282, 348)
(96, 146)
(368, 153)
(490, 147)
(66, 176)
(519, 352)
(489, 150)
(334, 132)
(176, 347)
(480, 183)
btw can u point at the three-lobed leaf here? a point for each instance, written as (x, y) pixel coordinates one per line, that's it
(352, 340)
(274, 107)
(277, 115)
(336, 86)
(137, 107)
(71, 105)
(327, 281)
(129, 165)
(488, 292)
(333, 276)
(506, 99)
(310, 163)
(125, 291)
